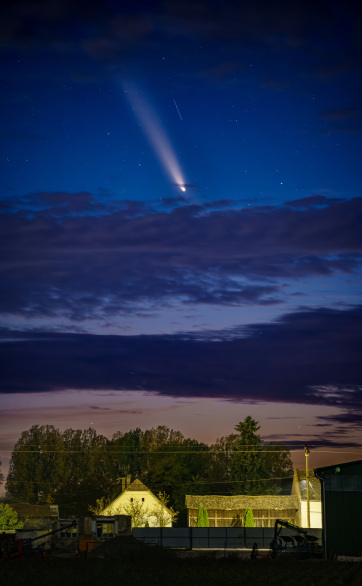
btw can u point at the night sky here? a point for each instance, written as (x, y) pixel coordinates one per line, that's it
(180, 209)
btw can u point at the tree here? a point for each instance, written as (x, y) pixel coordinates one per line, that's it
(220, 460)
(278, 464)
(99, 507)
(169, 461)
(126, 453)
(1, 474)
(164, 517)
(248, 469)
(69, 468)
(249, 518)
(35, 465)
(202, 517)
(256, 466)
(9, 518)
(89, 471)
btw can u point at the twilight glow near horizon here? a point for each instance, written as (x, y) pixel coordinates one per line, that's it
(127, 302)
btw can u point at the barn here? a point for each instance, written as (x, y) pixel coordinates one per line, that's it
(341, 508)
(228, 511)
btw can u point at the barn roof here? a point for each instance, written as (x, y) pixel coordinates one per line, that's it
(354, 467)
(279, 502)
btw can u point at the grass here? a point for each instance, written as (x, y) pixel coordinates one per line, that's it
(157, 568)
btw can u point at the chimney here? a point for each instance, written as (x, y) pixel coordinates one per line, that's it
(123, 483)
(128, 480)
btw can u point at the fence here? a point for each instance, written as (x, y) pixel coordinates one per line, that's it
(213, 537)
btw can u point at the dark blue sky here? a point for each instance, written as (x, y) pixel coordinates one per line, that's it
(107, 112)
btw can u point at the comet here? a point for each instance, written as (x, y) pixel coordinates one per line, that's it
(156, 135)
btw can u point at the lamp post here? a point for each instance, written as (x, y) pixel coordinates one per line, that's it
(307, 481)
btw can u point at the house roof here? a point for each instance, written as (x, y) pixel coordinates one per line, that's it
(36, 511)
(137, 485)
(279, 502)
(314, 484)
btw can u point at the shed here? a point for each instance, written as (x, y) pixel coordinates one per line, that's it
(299, 489)
(341, 508)
(228, 511)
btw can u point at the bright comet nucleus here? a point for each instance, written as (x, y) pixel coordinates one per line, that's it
(156, 135)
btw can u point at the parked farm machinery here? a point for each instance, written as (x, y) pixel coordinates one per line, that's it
(300, 544)
(13, 548)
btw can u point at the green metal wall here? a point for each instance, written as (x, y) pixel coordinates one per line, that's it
(344, 523)
(343, 508)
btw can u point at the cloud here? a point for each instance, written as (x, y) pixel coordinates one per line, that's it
(71, 255)
(322, 442)
(343, 119)
(120, 38)
(310, 357)
(311, 201)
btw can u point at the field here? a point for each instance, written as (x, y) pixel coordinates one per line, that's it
(157, 567)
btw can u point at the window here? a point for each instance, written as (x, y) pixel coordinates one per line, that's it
(104, 529)
(143, 500)
(108, 530)
(131, 500)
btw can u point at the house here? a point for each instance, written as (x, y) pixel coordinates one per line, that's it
(142, 505)
(299, 489)
(228, 511)
(341, 508)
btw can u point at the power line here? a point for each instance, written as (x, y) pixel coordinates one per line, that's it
(206, 482)
(154, 453)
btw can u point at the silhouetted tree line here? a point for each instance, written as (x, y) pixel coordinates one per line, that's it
(75, 467)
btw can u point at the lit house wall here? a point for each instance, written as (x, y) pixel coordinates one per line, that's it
(138, 495)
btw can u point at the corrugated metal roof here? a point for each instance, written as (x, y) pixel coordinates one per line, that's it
(279, 502)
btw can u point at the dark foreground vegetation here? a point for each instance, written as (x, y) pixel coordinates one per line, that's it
(157, 567)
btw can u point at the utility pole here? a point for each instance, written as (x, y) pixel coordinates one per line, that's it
(307, 481)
